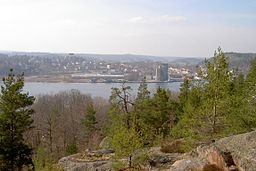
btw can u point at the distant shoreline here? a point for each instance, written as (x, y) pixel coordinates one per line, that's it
(67, 79)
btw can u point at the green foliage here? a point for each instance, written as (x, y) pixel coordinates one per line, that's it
(140, 157)
(157, 115)
(120, 100)
(89, 121)
(71, 148)
(42, 160)
(184, 91)
(116, 119)
(118, 165)
(204, 113)
(15, 120)
(250, 79)
(143, 92)
(221, 104)
(125, 142)
(249, 100)
(215, 94)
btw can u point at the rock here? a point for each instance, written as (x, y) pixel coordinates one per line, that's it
(159, 160)
(78, 162)
(242, 148)
(99, 153)
(105, 143)
(234, 153)
(193, 164)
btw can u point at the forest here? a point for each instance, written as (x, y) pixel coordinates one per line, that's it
(36, 132)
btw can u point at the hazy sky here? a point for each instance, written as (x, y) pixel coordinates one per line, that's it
(153, 27)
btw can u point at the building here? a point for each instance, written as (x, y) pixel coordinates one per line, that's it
(162, 72)
(132, 76)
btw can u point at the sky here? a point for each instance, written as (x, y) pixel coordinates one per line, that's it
(187, 28)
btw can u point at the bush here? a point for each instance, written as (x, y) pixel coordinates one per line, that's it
(172, 146)
(118, 165)
(71, 149)
(43, 160)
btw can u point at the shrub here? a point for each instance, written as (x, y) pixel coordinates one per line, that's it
(172, 146)
(71, 149)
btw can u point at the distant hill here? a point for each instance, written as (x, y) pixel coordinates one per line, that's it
(187, 61)
(34, 63)
(110, 57)
(240, 61)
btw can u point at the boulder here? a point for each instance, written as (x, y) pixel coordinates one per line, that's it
(242, 148)
(159, 160)
(105, 143)
(97, 161)
(234, 153)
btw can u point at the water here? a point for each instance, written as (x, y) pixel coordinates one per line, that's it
(94, 89)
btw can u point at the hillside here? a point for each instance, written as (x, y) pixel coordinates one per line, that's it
(240, 61)
(36, 63)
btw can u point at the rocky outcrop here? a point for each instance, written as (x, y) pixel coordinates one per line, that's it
(91, 160)
(242, 148)
(156, 159)
(234, 153)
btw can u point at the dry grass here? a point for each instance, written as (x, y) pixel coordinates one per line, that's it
(212, 167)
(172, 146)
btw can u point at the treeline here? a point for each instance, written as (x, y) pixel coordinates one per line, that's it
(221, 104)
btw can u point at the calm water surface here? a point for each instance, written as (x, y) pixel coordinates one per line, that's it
(94, 89)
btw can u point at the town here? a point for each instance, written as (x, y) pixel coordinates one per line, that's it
(84, 68)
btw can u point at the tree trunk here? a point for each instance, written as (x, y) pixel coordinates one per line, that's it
(130, 161)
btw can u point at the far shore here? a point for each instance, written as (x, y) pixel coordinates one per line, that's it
(69, 79)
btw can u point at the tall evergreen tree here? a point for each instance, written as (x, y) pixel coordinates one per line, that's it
(89, 121)
(143, 96)
(184, 91)
(183, 97)
(205, 114)
(251, 79)
(143, 92)
(157, 116)
(249, 117)
(237, 106)
(216, 91)
(15, 120)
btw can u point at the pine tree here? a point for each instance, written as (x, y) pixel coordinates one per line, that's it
(15, 120)
(125, 142)
(157, 116)
(120, 100)
(89, 121)
(143, 96)
(216, 92)
(183, 97)
(249, 115)
(251, 79)
(184, 91)
(206, 112)
(143, 92)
